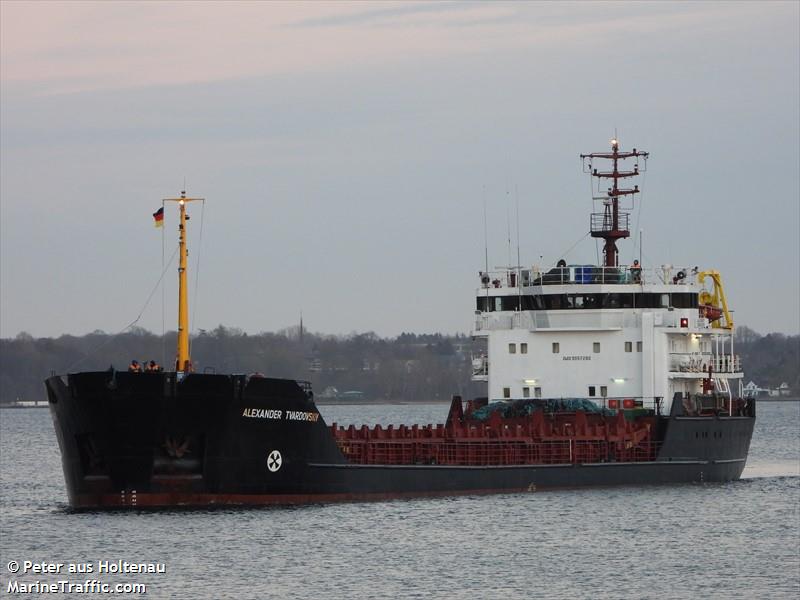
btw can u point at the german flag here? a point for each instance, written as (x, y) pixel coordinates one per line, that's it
(159, 217)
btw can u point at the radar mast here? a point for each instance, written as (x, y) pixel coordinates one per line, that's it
(611, 224)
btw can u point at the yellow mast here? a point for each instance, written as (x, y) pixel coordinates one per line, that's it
(183, 362)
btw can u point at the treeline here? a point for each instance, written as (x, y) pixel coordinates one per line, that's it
(409, 367)
(769, 360)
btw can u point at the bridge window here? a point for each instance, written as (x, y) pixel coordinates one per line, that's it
(593, 301)
(555, 301)
(592, 391)
(585, 301)
(603, 391)
(617, 301)
(556, 348)
(628, 346)
(506, 392)
(537, 392)
(526, 392)
(684, 300)
(523, 348)
(638, 346)
(512, 348)
(596, 347)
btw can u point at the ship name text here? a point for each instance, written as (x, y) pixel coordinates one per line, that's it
(262, 413)
(278, 415)
(577, 358)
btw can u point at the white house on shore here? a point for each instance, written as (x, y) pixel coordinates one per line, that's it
(751, 390)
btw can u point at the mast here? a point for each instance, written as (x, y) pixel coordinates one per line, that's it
(611, 224)
(183, 362)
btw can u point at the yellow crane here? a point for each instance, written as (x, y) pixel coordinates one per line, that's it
(713, 304)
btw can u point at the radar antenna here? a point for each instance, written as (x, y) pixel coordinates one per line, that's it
(611, 224)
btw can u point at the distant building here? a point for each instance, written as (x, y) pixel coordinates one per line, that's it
(751, 390)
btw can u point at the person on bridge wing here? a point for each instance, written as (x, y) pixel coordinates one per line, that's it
(152, 367)
(134, 367)
(636, 271)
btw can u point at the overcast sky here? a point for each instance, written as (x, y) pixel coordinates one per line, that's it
(346, 150)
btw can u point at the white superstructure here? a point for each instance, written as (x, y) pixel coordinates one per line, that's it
(568, 339)
(608, 333)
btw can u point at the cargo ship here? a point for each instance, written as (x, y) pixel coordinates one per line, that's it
(596, 375)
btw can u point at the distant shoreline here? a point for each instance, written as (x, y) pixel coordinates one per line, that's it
(335, 402)
(344, 402)
(786, 399)
(44, 403)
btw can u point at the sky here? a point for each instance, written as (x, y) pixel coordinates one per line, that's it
(346, 152)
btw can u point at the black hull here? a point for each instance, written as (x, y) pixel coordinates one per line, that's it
(148, 440)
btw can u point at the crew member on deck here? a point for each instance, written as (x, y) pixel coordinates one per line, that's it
(636, 271)
(135, 367)
(152, 367)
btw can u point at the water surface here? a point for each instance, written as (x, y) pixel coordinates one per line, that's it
(733, 540)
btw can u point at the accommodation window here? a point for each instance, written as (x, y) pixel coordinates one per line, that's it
(512, 348)
(603, 391)
(591, 391)
(585, 301)
(596, 347)
(523, 348)
(526, 392)
(556, 348)
(638, 346)
(628, 346)
(506, 392)
(537, 392)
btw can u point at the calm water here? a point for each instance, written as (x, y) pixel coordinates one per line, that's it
(737, 540)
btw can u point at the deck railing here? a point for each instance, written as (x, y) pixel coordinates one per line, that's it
(601, 222)
(480, 452)
(699, 363)
(583, 274)
(480, 366)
